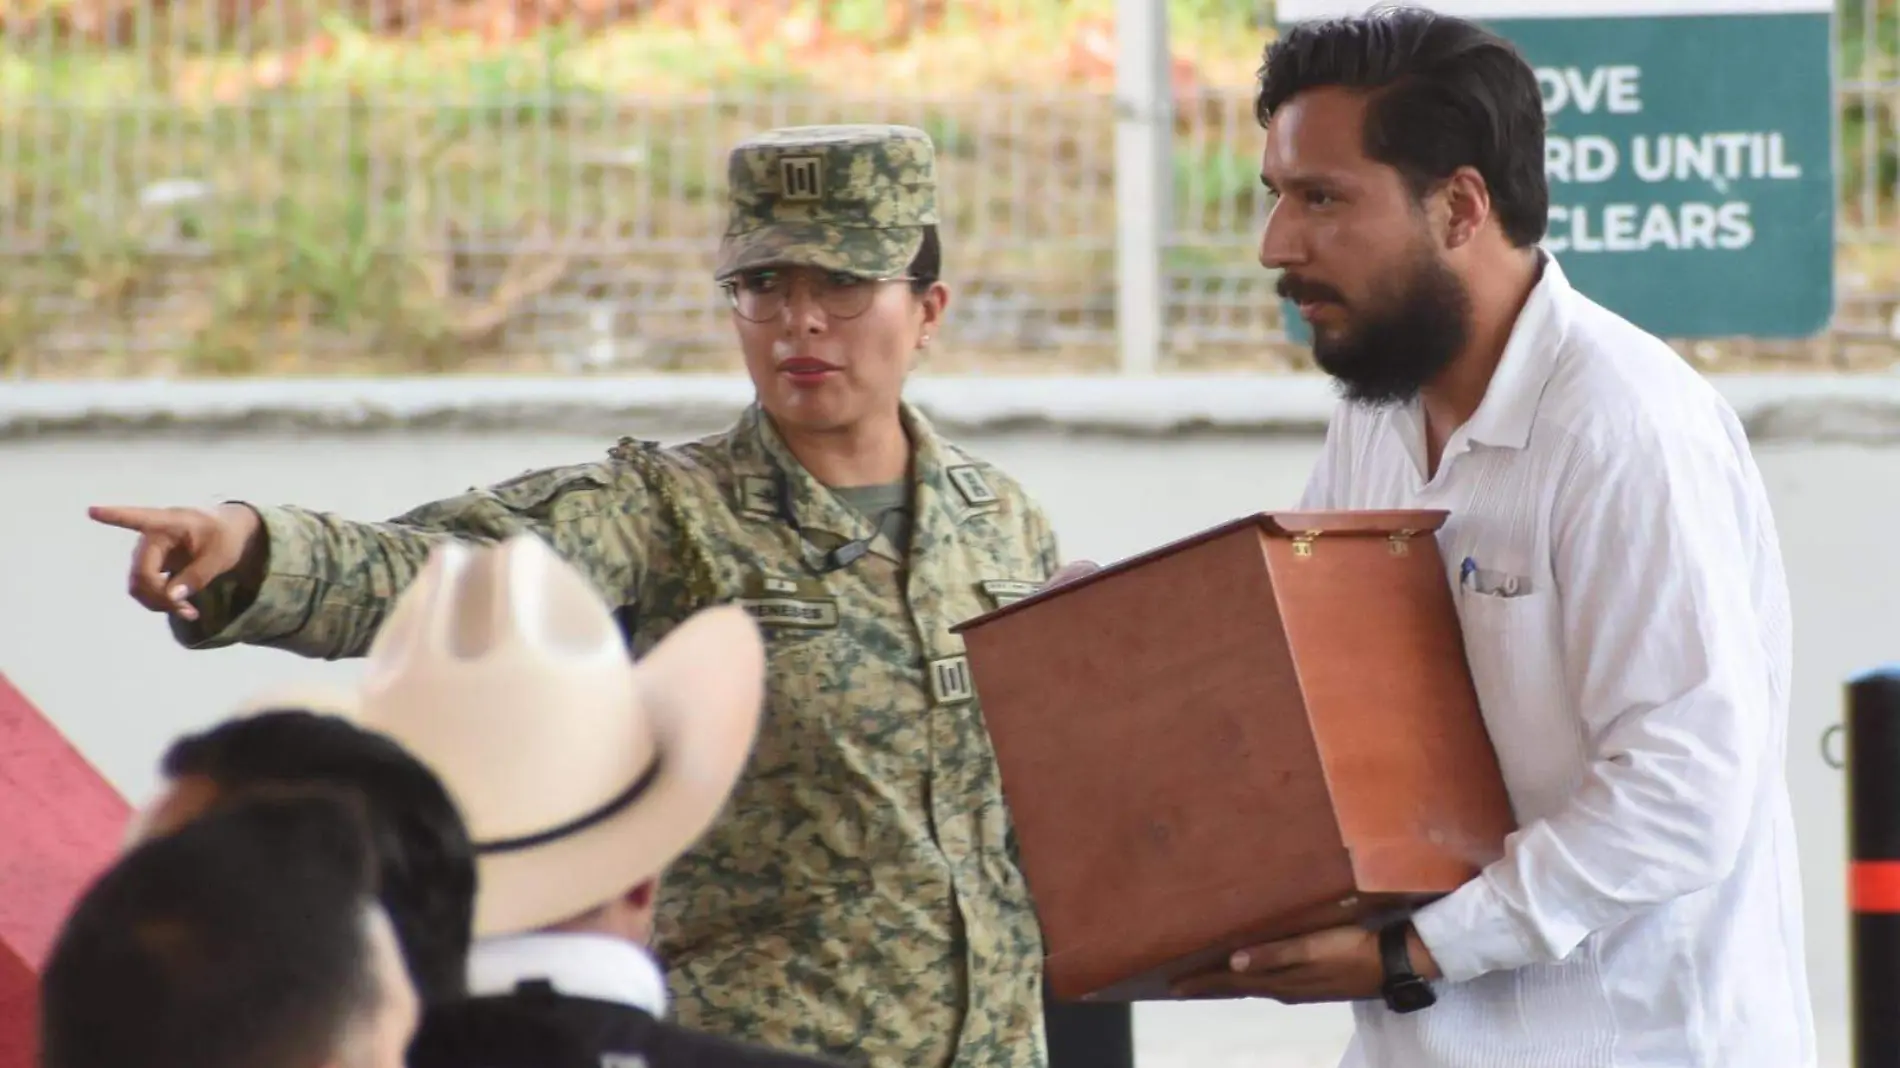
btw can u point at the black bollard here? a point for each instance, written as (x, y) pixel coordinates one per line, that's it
(1873, 819)
(1087, 1034)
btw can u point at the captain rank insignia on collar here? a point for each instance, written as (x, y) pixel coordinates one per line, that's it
(758, 497)
(971, 484)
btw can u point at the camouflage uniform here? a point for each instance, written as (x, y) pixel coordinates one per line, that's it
(860, 897)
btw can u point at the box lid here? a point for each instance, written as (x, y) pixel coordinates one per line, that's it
(1287, 524)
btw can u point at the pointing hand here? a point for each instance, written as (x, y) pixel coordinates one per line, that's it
(181, 550)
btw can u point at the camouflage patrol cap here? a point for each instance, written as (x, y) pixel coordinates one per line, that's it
(841, 198)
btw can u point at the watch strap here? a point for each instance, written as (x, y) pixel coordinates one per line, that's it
(1405, 991)
(1395, 952)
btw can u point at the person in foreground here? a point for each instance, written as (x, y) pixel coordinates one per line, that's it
(278, 746)
(582, 776)
(1616, 571)
(861, 893)
(250, 938)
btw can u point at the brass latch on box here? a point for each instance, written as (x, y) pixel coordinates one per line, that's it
(1398, 542)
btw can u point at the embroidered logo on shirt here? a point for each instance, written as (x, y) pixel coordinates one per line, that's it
(1489, 583)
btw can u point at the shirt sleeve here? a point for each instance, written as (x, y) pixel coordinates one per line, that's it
(1653, 547)
(330, 581)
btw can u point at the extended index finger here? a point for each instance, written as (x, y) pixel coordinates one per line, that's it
(159, 538)
(128, 518)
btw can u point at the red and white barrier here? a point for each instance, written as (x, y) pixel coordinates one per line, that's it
(61, 824)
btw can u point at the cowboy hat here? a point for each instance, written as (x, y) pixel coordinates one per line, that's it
(318, 697)
(580, 773)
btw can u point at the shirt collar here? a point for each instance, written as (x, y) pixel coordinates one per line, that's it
(947, 487)
(1509, 408)
(579, 965)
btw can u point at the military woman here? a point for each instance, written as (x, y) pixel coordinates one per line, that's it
(860, 898)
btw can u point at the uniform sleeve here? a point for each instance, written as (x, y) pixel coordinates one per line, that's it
(1048, 549)
(329, 581)
(1663, 654)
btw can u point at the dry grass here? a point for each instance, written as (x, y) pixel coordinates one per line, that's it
(463, 198)
(484, 193)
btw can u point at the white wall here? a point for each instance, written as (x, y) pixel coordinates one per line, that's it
(106, 671)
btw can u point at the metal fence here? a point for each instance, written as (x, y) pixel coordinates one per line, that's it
(260, 185)
(1868, 80)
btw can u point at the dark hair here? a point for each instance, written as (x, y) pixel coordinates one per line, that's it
(240, 941)
(927, 266)
(426, 861)
(1445, 93)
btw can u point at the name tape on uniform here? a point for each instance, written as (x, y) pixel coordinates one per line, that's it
(792, 612)
(1003, 592)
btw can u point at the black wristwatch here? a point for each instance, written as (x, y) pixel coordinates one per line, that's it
(1404, 989)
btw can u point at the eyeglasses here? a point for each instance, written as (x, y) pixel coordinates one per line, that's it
(760, 296)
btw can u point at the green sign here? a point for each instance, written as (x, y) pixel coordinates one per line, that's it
(1690, 153)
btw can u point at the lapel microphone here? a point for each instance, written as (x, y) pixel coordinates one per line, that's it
(835, 560)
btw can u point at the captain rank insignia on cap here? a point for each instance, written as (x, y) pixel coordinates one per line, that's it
(854, 198)
(801, 178)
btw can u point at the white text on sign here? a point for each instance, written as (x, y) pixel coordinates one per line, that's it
(1616, 90)
(1650, 227)
(1717, 158)
(1709, 216)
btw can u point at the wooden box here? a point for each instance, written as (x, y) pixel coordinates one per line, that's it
(1262, 730)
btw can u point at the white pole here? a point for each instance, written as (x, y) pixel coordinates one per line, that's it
(1143, 123)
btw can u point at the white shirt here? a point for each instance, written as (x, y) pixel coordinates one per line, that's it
(578, 965)
(1627, 627)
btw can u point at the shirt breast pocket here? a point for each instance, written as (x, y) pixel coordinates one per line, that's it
(804, 654)
(1513, 645)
